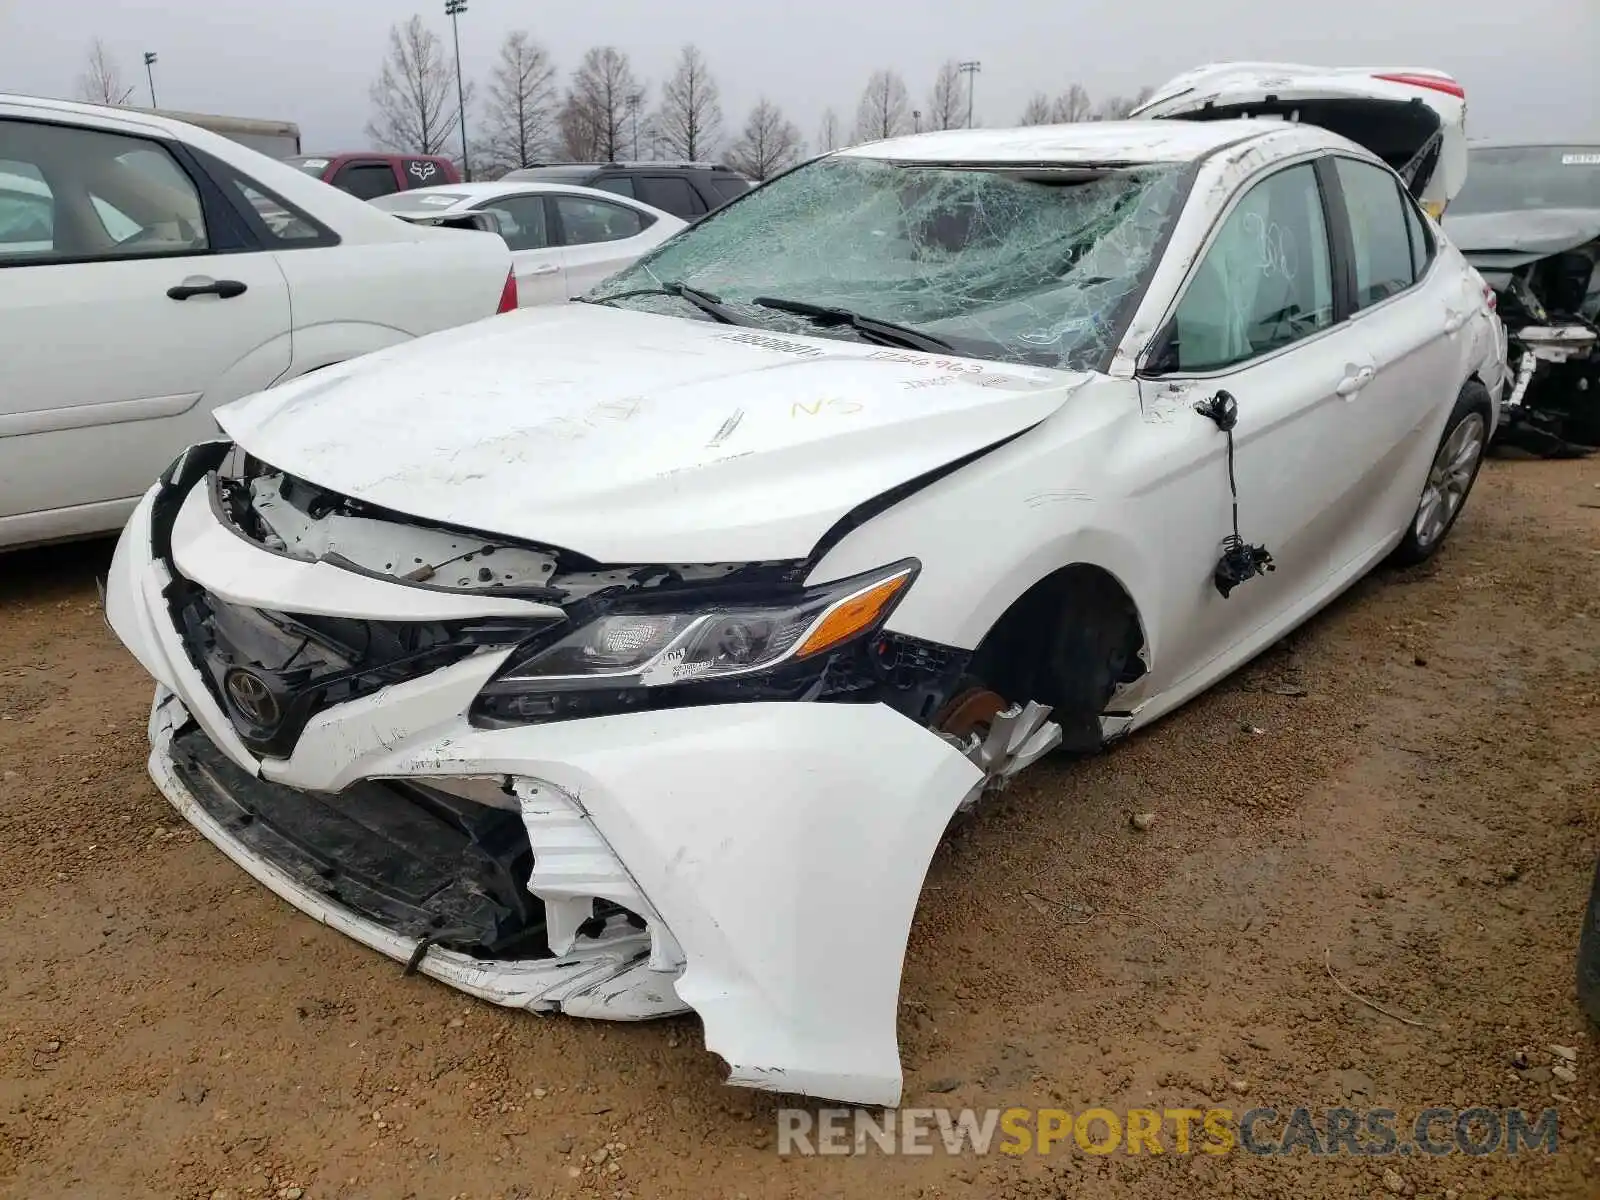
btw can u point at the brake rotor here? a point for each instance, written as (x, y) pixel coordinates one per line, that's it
(969, 711)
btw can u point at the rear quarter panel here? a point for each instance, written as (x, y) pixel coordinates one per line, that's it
(352, 298)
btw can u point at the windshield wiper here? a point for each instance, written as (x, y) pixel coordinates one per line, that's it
(711, 305)
(884, 332)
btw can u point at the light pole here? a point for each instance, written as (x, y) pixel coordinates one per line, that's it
(453, 9)
(634, 100)
(149, 63)
(970, 70)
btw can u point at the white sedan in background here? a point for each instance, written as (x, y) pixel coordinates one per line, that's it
(150, 271)
(563, 239)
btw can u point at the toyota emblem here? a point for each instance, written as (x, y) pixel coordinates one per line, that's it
(252, 698)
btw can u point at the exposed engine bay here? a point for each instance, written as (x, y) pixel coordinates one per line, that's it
(1529, 221)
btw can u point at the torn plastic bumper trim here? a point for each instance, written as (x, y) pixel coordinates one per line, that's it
(783, 845)
(609, 978)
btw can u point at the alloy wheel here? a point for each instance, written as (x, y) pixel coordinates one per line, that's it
(1449, 478)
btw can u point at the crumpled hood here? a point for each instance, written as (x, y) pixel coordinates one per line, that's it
(1509, 239)
(632, 437)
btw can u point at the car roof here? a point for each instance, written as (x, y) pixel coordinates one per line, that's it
(631, 165)
(474, 193)
(1149, 141)
(330, 154)
(481, 190)
(1530, 143)
(139, 116)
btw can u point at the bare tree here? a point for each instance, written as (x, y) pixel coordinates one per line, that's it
(769, 143)
(882, 111)
(101, 81)
(947, 107)
(690, 117)
(1037, 112)
(829, 137)
(593, 121)
(520, 116)
(1118, 107)
(1071, 106)
(414, 97)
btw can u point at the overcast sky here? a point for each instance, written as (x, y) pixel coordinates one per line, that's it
(1529, 68)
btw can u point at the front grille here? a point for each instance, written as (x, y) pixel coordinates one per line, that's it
(271, 672)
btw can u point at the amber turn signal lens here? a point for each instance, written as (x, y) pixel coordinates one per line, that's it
(851, 615)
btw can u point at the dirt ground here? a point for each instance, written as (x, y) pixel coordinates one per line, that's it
(1404, 792)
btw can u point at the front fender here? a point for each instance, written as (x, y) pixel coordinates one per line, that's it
(987, 533)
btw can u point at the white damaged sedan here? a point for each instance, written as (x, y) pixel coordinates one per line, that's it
(631, 656)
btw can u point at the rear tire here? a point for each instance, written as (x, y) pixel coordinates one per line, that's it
(1451, 474)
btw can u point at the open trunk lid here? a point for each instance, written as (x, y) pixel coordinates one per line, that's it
(1412, 118)
(477, 219)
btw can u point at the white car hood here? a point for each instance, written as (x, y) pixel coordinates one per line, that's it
(631, 437)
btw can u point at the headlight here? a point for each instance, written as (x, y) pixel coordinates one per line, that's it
(647, 652)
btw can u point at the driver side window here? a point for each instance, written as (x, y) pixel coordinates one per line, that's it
(1266, 280)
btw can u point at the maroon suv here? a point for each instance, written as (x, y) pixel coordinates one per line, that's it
(370, 174)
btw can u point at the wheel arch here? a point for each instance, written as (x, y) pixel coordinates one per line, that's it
(1073, 639)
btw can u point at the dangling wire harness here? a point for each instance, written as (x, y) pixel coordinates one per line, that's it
(1240, 560)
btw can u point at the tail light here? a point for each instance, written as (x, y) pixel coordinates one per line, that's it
(508, 294)
(1438, 83)
(1490, 298)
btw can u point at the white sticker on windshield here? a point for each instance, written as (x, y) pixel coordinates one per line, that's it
(317, 163)
(1580, 160)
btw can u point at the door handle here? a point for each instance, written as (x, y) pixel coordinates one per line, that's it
(201, 285)
(547, 269)
(1354, 381)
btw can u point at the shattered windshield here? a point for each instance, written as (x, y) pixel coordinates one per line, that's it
(1519, 178)
(1032, 265)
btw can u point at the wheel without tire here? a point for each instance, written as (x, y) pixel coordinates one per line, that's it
(1450, 476)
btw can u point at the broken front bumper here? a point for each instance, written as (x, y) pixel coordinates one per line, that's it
(773, 852)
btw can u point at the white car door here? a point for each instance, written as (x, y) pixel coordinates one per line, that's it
(539, 265)
(599, 238)
(129, 307)
(1258, 319)
(1413, 322)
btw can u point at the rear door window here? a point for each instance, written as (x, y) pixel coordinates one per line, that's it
(522, 221)
(1421, 239)
(729, 187)
(366, 179)
(1382, 243)
(283, 223)
(670, 193)
(584, 221)
(620, 184)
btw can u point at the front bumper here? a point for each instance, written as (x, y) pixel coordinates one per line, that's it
(774, 851)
